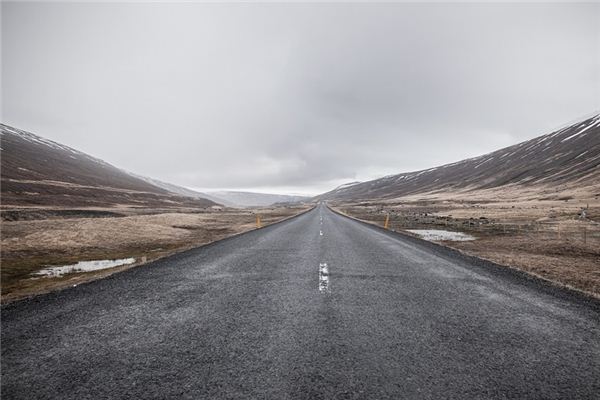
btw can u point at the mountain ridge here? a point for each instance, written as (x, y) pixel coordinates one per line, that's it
(556, 159)
(40, 172)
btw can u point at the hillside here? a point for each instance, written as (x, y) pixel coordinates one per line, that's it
(569, 157)
(39, 172)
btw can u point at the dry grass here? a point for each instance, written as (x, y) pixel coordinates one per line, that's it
(547, 238)
(566, 261)
(30, 245)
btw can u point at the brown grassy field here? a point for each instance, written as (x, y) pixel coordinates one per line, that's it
(34, 238)
(547, 237)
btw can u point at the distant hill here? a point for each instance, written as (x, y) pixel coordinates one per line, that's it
(183, 191)
(252, 199)
(39, 172)
(567, 157)
(226, 197)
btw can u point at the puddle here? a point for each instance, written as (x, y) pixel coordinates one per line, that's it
(439, 235)
(83, 266)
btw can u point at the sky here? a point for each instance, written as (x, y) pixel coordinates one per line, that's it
(295, 98)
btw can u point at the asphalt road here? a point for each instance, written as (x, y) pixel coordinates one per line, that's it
(261, 316)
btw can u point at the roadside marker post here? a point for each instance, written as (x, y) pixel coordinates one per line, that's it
(258, 224)
(386, 225)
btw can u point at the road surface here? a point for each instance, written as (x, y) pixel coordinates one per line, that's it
(316, 307)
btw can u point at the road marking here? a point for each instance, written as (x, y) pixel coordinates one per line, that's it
(320, 233)
(323, 278)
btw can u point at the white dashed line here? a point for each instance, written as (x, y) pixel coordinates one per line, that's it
(323, 278)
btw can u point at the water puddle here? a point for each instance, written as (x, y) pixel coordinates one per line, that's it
(83, 266)
(439, 235)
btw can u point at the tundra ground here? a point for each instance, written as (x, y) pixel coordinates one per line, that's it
(35, 238)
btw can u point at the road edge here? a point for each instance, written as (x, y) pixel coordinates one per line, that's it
(547, 286)
(182, 252)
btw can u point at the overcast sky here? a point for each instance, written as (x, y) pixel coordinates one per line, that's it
(298, 97)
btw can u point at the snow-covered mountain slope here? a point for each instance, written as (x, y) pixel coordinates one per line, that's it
(569, 156)
(38, 171)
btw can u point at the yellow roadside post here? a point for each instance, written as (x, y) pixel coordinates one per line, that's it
(386, 225)
(258, 225)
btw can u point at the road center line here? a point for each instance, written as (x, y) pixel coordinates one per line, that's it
(323, 278)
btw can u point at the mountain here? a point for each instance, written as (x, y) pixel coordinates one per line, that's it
(180, 190)
(347, 185)
(251, 199)
(567, 157)
(226, 197)
(39, 172)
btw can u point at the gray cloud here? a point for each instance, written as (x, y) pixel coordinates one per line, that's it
(295, 97)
